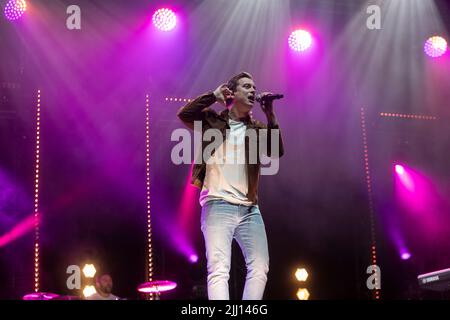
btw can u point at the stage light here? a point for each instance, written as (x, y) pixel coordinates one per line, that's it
(405, 178)
(302, 294)
(405, 255)
(89, 271)
(399, 169)
(14, 9)
(147, 177)
(164, 19)
(89, 291)
(19, 230)
(435, 46)
(376, 293)
(407, 116)
(300, 40)
(177, 99)
(193, 258)
(36, 212)
(301, 274)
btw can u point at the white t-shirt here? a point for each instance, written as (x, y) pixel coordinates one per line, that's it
(97, 296)
(226, 174)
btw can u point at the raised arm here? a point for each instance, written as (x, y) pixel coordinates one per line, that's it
(197, 109)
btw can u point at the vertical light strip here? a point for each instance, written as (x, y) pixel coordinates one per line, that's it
(147, 174)
(376, 292)
(36, 194)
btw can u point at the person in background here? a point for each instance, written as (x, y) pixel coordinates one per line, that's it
(104, 286)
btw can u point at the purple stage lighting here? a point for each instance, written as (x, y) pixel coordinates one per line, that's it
(435, 46)
(14, 9)
(399, 169)
(300, 40)
(193, 258)
(405, 255)
(164, 19)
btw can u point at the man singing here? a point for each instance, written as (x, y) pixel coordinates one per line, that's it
(229, 187)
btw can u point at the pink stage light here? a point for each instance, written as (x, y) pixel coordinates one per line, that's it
(435, 46)
(399, 169)
(405, 178)
(18, 231)
(405, 255)
(300, 40)
(193, 258)
(419, 197)
(164, 19)
(187, 210)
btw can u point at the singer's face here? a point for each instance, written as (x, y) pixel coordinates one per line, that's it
(245, 94)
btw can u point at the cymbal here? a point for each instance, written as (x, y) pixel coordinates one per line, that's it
(67, 298)
(156, 286)
(40, 296)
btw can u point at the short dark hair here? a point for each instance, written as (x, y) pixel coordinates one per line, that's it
(233, 82)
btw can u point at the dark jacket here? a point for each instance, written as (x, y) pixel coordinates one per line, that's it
(198, 110)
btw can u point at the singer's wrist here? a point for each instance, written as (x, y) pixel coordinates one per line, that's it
(271, 120)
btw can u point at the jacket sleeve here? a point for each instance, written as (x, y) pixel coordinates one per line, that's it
(196, 110)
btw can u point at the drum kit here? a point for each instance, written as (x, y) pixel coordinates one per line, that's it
(48, 296)
(156, 286)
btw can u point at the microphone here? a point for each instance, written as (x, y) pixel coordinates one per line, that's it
(268, 97)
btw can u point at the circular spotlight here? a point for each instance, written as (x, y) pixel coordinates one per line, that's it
(405, 255)
(399, 169)
(164, 19)
(193, 258)
(14, 9)
(300, 40)
(435, 46)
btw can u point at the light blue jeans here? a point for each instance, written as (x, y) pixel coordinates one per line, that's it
(221, 222)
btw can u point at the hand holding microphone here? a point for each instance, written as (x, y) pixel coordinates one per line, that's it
(266, 101)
